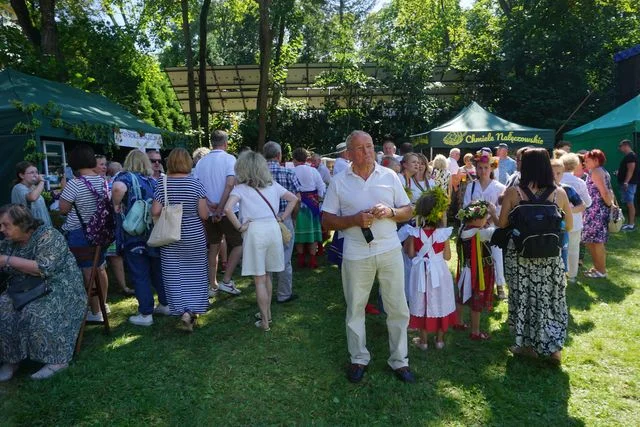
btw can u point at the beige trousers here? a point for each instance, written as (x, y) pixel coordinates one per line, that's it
(357, 281)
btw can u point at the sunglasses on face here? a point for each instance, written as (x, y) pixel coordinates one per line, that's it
(156, 161)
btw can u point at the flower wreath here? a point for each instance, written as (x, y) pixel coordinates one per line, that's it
(475, 210)
(437, 211)
(484, 157)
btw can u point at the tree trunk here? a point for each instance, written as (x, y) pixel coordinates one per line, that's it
(265, 41)
(276, 90)
(26, 23)
(190, 80)
(49, 43)
(202, 81)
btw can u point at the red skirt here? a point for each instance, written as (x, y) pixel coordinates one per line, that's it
(480, 300)
(433, 324)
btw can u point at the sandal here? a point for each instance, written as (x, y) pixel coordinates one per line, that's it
(460, 327)
(523, 351)
(595, 274)
(188, 320)
(482, 336)
(555, 359)
(421, 345)
(259, 326)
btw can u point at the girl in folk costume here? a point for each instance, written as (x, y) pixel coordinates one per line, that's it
(415, 182)
(475, 274)
(432, 302)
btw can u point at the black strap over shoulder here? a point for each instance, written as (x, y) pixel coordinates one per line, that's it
(533, 198)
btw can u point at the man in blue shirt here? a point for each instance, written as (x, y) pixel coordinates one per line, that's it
(506, 165)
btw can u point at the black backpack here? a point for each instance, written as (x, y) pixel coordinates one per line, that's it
(537, 225)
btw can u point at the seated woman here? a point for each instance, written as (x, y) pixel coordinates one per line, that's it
(44, 330)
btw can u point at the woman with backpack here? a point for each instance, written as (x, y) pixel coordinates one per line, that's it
(132, 197)
(538, 314)
(82, 198)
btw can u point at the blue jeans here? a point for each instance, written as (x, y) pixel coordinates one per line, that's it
(565, 249)
(145, 272)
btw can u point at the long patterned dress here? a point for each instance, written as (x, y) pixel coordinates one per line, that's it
(538, 314)
(46, 329)
(185, 267)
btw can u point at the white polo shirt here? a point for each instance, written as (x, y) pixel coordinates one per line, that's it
(212, 171)
(349, 194)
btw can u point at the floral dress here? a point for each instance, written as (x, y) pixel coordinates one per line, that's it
(595, 227)
(46, 329)
(538, 313)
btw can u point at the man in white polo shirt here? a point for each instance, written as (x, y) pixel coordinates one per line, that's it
(216, 173)
(365, 202)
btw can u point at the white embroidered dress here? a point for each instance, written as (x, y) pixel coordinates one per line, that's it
(431, 284)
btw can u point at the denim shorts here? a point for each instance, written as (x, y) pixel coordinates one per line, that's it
(76, 239)
(629, 194)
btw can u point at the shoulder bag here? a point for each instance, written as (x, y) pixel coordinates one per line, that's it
(286, 234)
(23, 289)
(168, 228)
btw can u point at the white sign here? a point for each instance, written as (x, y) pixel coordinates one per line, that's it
(131, 138)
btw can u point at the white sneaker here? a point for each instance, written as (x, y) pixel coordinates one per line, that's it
(213, 292)
(7, 370)
(48, 371)
(95, 317)
(229, 288)
(141, 319)
(162, 309)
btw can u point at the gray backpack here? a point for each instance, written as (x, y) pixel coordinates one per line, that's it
(137, 221)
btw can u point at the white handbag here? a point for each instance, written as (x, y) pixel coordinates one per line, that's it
(168, 228)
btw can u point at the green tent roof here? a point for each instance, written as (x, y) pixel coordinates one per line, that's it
(475, 127)
(627, 115)
(76, 107)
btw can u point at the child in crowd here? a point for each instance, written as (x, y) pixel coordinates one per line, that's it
(577, 206)
(432, 302)
(475, 274)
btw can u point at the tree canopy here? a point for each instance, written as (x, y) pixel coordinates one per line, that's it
(533, 62)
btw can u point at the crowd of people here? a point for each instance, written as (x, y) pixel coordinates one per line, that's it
(391, 216)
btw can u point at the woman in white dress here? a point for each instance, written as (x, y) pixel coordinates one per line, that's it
(262, 248)
(488, 190)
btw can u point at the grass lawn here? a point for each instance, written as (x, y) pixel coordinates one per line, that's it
(229, 373)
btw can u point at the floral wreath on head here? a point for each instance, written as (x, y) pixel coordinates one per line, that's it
(437, 211)
(484, 157)
(475, 210)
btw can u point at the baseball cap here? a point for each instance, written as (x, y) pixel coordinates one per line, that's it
(502, 145)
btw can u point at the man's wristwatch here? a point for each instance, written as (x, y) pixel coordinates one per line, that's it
(393, 212)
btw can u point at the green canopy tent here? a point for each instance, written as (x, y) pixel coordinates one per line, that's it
(475, 127)
(607, 131)
(58, 113)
